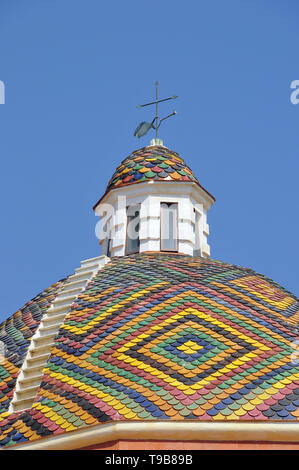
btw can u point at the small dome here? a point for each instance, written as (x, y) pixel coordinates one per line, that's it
(151, 163)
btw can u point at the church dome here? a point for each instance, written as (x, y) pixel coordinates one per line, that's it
(156, 336)
(153, 335)
(151, 163)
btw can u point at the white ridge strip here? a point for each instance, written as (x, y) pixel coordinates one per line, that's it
(38, 352)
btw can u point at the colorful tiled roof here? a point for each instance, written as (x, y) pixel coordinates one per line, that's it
(165, 336)
(151, 163)
(16, 333)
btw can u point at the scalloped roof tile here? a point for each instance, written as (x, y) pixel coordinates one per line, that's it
(211, 341)
(156, 163)
(16, 333)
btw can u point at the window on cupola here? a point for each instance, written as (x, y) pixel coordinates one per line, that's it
(133, 225)
(109, 243)
(169, 226)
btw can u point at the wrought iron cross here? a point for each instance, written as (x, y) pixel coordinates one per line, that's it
(144, 127)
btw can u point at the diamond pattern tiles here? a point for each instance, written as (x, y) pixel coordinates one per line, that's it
(165, 336)
(151, 163)
(16, 333)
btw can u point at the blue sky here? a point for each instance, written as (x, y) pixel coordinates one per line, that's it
(74, 71)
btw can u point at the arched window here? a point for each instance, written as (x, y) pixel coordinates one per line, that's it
(109, 241)
(169, 226)
(109, 245)
(133, 225)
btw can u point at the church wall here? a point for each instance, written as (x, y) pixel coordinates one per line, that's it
(191, 445)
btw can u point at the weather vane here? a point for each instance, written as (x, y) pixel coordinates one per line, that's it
(144, 127)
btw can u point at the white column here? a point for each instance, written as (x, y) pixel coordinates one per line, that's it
(185, 232)
(150, 224)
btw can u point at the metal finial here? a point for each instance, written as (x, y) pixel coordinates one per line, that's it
(144, 127)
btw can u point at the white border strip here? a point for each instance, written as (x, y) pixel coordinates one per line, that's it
(287, 432)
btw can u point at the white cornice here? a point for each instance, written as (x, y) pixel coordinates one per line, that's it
(157, 187)
(236, 431)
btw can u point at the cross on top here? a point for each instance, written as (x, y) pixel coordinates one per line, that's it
(144, 127)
